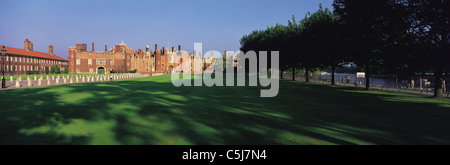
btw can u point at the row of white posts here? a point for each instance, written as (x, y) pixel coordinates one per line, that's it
(77, 79)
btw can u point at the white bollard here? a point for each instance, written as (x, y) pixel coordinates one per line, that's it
(29, 83)
(17, 83)
(11, 78)
(40, 82)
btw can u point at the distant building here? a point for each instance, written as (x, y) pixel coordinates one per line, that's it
(122, 58)
(18, 61)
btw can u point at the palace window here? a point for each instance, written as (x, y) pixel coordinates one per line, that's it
(89, 61)
(111, 61)
(78, 61)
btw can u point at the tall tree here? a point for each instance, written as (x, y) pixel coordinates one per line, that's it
(374, 25)
(323, 39)
(431, 27)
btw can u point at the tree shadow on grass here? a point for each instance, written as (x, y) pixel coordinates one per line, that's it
(153, 111)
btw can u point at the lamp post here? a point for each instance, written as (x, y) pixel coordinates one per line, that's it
(3, 67)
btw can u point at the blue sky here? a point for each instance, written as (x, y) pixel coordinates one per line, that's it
(218, 24)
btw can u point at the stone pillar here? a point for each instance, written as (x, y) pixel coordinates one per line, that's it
(34, 77)
(17, 83)
(57, 80)
(53, 77)
(40, 82)
(71, 80)
(64, 78)
(82, 79)
(11, 78)
(48, 81)
(29, 83)
(76, 79)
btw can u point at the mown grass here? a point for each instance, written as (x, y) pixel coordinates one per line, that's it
(152, 111)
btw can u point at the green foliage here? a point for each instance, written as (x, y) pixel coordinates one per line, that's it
(311, 43)
(66, 70)
(31, 72)
(58, 70)
(46, 70)
(55, 69)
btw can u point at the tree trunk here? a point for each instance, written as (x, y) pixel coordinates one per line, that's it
(293, 74)
(281, 74)
(367, 78)
(333, 68)
(438, 82)
(307, 74)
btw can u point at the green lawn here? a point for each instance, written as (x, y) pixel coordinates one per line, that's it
(152, 111)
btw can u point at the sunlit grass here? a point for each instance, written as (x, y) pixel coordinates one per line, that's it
(152, 111)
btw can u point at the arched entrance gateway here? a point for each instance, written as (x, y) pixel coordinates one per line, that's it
(100, 70)
(170, 69)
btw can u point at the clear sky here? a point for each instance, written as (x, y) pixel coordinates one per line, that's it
(218, 24)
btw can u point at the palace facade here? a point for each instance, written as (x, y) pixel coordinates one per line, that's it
(19, 61)
(122, 58)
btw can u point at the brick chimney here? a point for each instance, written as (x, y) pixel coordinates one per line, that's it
(26, 44)
(84, 47)
(31, 47)
(93, 47)
(164, 50)
(50, 49)
(156, 47)
(106, 48)
(173, 49)
(179, 48)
